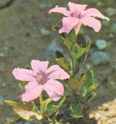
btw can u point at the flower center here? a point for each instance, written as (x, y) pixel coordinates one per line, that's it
(78, 15)
(41, 78)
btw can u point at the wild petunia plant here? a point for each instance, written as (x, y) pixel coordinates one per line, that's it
(45, 97)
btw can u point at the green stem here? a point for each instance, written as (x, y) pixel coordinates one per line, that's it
(41, 103)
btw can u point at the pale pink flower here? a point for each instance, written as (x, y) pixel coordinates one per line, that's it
(41, 78)
(77, 15)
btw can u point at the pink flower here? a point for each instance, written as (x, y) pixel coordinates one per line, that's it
(77, 15)
(41, 78)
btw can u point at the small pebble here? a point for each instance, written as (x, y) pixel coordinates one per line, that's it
(100, 57)
(44, 31)
(101, 44)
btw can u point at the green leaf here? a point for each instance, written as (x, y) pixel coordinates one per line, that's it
(70, 40)
(75, 110)
(75, 83)
(13, 103)
(44, 104)
(63, 63)
(53, 108)
(80, 51)
(27, 115)
(88, 89)
(24, 110)
(61, 102)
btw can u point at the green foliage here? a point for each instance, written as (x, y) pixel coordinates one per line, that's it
(76, 83)
(54, 108)
(89, 86)
(63, 63)
(76, 111)
(76, 50)
(44, 104)
(71, 53)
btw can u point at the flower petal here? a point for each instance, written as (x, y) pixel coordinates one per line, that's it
(56, 72)
(23, 74)
(60, 10)
(33, 91)
(31, 85)
(54, 89)
(68, 23)
(39, 66)
(92, 22)
(76, 8)
(95, 13)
